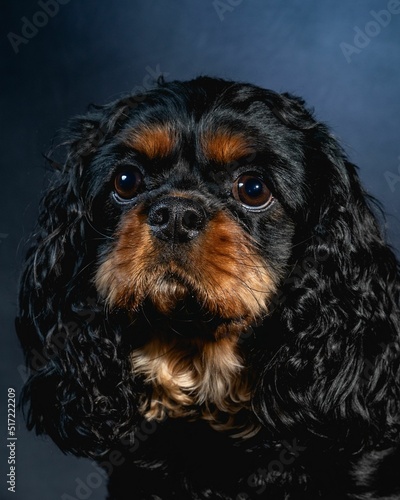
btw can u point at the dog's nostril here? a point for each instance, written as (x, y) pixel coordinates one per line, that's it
(176, 219)
(193, 219)
(160, 216)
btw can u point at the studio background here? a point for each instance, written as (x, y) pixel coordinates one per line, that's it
(342, 57)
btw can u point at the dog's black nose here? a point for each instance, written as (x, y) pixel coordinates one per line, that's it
(176, 219)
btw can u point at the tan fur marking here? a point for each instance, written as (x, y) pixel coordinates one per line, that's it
(195, 379)
(225, 146)
(155, 141)
(124, 272)
(235, 279)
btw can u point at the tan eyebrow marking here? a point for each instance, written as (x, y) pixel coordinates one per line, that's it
(225, 146)
(155, 141)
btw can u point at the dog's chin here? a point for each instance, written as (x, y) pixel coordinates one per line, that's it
(180, 310)
(190, 320)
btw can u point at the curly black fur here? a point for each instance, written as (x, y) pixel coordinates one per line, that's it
(327, 355)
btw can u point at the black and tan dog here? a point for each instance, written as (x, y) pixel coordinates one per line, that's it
(208, 298)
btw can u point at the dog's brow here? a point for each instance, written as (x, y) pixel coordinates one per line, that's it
(155, 141)
(224, 146)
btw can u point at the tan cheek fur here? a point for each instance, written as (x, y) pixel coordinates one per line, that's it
(223, 268)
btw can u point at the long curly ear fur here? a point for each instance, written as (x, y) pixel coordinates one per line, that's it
(66, 341)
(335, 372)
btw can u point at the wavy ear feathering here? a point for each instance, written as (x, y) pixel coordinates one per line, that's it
(70, 395)
(271, 302)
(336, 368)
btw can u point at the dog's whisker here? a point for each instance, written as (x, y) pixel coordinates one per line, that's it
(108, 237)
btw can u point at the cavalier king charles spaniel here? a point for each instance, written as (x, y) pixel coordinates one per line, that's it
(208, 308)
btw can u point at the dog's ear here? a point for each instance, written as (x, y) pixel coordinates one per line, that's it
(335, 370)
(64, 336)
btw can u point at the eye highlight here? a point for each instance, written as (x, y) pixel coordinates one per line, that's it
(128, 182)
(252, 192)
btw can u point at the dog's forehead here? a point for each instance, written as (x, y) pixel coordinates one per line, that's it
(212, 136)
(218, 143)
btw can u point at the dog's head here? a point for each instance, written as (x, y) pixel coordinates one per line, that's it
(194, 226)
(183, 220)
(191, 194)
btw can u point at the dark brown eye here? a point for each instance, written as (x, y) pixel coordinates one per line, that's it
(252, 192)
(127, 182)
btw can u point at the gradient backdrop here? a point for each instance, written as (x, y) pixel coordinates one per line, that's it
(343, 57)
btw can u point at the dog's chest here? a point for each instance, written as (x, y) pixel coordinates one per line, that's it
(196, 380)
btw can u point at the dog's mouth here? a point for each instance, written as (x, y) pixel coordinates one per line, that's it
(184, 311)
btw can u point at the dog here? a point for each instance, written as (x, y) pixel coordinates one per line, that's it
(208, 307)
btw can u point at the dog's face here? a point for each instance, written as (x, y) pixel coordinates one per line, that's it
(198, 226)
(195, 198)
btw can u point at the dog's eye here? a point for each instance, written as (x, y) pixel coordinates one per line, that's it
(252, 192)
(128, 182)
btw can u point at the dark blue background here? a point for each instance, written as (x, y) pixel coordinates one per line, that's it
(94, 50)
